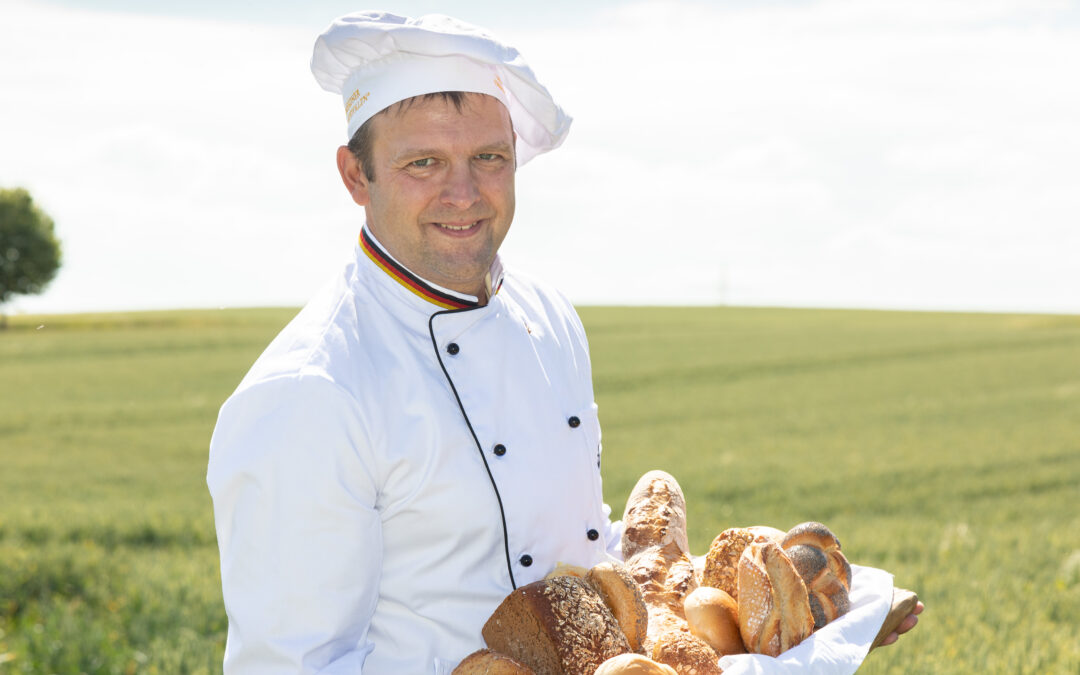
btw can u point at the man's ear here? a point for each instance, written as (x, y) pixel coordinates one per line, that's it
(352, 174)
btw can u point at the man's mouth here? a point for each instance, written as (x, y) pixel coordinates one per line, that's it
(458, 227)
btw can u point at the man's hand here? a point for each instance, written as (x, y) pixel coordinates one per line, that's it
(907, 624)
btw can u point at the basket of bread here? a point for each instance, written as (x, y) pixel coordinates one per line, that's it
(761, 600)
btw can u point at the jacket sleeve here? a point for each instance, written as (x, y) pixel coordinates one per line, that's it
(294, 488)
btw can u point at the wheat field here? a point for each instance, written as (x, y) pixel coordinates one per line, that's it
(944, 448)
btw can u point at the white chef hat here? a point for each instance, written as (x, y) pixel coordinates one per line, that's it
(375, 59)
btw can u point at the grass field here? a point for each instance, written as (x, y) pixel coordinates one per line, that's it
(942, 447)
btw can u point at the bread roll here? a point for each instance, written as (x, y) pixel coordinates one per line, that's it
(655, 515)
(827, 595)
(722, 560)
(633, 664)
(713, 616)
(487, 662)
(774, 610)
(816, 534)
(687, 654)
(622, 596)
(564, 570)
(556, 626)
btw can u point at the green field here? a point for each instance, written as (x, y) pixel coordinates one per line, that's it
(942, 447)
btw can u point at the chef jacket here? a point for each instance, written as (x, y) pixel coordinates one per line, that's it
(395, 463)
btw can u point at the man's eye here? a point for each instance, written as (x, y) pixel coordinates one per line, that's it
(487, 156)
(422, 163)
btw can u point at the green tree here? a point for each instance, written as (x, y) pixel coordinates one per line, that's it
(29, 249)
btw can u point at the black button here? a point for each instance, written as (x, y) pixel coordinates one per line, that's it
(525, 560)
(593, 535)
(452, 349)
(574, 422)
(500, 449)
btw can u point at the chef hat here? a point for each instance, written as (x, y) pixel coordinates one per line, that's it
(375, 59)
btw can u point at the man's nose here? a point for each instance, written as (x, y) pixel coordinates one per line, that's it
(460, 189)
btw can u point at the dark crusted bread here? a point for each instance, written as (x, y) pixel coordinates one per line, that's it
(557, 626)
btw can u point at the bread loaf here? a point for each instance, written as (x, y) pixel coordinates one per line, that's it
(487, 662)
(774, 609)
(722, 561)
(633, 664)
(622, 596)
(713, 616)
(557, 626)
(815, 552)
(816, 534)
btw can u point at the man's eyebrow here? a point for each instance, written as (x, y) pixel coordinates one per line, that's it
(495, 146)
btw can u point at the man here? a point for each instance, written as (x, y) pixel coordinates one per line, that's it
(422, 438)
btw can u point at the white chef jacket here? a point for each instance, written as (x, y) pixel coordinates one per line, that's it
(388, 464)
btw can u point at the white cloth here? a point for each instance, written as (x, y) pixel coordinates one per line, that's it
(837, 649)
(375, 59)
(357, 524)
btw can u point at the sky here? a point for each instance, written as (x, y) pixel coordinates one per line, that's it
(896, 154)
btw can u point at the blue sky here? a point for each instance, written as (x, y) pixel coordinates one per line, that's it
(896, 154)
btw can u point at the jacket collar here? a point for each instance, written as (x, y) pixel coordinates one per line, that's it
(434, 294)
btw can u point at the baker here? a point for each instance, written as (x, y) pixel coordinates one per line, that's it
(422, 438)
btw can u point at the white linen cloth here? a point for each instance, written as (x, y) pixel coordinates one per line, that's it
(838, 648)
(357, 525)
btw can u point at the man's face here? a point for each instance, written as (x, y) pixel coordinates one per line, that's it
(443, 195)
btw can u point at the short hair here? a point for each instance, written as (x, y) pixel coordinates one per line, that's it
(361, 141)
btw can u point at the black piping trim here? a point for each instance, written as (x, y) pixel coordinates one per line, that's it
(498, 497)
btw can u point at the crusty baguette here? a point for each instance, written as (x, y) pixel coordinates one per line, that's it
(655, 515)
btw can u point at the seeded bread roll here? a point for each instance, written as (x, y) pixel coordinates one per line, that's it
(713, 616)
(774, 610)
(623, 597)
(816, 534)
(557, 626)
(827, 595)
(633, 664)
(722, 560)
(487, 662)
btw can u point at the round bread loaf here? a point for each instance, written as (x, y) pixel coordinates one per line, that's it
(558, 626)
(774, 609)
(633, 664)
(623, 597)
(713, 616)
(487, 662)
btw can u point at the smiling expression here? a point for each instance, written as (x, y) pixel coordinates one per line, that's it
(443, 195)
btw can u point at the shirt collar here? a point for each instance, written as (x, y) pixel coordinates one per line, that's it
(433, 293)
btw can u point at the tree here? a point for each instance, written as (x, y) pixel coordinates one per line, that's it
(29, 249)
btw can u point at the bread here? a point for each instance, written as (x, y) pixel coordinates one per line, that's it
(713, 616)
(774, 609)
(815, 552)
(657, 554)
(487, 662)
(564, 570)
(816, 534)
(655, 515)
(622, 596)
(686, 654)
(722, 561)
(633, 664)
(557, 626)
